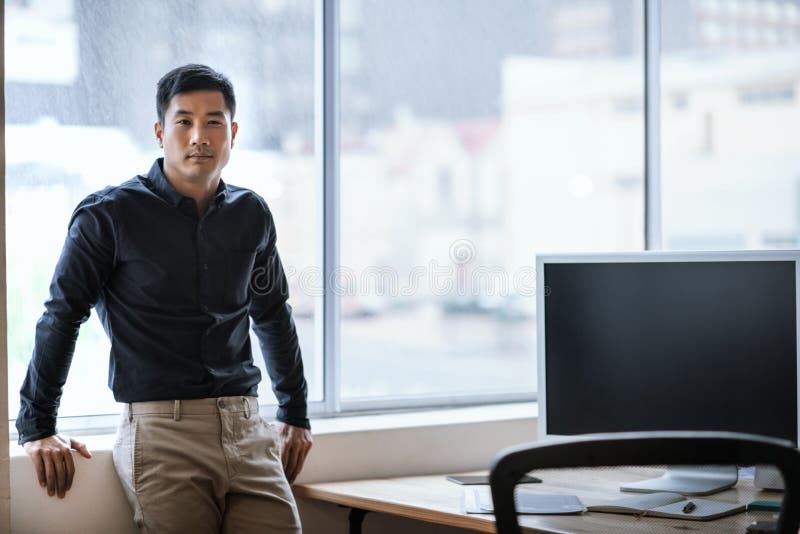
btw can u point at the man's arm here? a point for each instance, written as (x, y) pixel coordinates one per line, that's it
(274, 327)
(84, 266)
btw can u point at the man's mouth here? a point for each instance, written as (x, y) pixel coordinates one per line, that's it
(200, 156)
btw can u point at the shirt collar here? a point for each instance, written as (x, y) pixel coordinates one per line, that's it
(161, 186)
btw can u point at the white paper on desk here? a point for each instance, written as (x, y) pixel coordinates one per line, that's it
(479, 501)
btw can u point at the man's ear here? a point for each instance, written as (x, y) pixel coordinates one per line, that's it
(234, 129)
(159, 130)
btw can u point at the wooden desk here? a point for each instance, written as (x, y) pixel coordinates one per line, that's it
(435, 500)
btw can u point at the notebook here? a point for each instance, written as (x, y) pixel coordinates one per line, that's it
(672, 505)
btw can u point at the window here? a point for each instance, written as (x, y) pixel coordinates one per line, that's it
(492, 131)
(730, 164)
(80, 108)
(472, 136)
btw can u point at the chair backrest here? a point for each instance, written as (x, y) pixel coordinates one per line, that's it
(645, 448)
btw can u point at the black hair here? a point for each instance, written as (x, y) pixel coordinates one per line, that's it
(192, 77)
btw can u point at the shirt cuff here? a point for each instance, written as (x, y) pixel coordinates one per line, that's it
(300, 422)
(33, 436)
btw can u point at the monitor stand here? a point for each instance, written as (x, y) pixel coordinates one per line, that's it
(689, 480)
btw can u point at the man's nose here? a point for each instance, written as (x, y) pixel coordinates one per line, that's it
(199, 136)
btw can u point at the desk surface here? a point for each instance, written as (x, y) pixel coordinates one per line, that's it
(435, 500)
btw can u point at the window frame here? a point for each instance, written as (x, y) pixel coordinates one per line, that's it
(5, 479)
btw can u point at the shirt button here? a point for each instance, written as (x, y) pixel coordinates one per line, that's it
(221, 403)
(204, 308)
(205, 266)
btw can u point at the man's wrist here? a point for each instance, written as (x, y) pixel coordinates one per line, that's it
(34, 436)
(300, 422)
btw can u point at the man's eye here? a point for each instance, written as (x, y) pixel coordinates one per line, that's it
(215, 123)
(183, 122)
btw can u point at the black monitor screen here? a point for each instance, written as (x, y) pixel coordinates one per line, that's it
(707, 345)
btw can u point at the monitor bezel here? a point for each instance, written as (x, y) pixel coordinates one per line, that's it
(646, 257)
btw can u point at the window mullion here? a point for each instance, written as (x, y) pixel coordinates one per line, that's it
(326, 132)
(652, 124)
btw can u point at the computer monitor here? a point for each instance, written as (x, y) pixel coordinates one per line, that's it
(668, 341)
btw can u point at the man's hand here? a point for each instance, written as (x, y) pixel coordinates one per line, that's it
(295, 444)
(53, 461)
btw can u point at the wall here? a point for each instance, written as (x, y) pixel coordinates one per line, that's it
(441, 441)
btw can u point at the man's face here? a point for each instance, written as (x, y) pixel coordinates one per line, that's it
(197, 136)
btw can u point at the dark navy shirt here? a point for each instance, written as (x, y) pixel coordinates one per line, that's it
(175, 293)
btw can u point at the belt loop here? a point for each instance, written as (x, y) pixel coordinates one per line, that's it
(246, 407)
(176, 414)
(130, 412)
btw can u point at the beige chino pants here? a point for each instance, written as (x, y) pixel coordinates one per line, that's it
(203, 466)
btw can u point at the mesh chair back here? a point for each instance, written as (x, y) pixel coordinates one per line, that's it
(645, 448)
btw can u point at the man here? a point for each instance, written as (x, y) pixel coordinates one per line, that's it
(177, 263)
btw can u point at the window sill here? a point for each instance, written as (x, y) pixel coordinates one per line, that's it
(345, 448)
(425, 418)
(402, 430)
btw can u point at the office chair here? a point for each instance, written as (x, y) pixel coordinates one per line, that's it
(645, 448)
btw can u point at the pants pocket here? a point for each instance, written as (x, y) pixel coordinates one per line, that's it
(271, 437)
(136, 453)
(123, 457)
